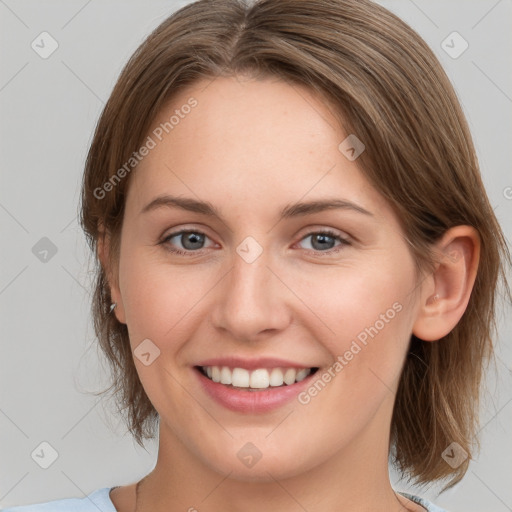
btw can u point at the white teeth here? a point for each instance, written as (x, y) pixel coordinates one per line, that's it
(215, 374)
(289, 376)
(276, 377)
(225, 375)
(302, 374)
(240, 378)
(260, 378)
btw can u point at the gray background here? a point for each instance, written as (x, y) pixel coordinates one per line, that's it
(50, 363)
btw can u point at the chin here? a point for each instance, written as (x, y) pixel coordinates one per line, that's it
(248, 464)
(261, 472)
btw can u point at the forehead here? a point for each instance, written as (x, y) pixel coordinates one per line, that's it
(261, 141)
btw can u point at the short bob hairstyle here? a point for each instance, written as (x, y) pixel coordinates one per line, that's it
(385, 85)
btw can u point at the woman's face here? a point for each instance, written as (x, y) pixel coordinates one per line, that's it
(328, 288)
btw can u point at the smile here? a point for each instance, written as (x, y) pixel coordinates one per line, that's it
(259, 389)
(257, 379)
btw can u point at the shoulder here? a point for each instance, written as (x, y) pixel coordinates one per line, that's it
(431, 507)
(98, 499)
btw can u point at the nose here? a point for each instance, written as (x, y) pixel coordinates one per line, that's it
(252, 302)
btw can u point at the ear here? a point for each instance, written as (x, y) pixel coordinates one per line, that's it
(447, 290)
(103, 250)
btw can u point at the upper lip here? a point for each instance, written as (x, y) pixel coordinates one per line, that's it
(253, 364)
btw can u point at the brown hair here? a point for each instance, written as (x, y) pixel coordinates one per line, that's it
(387, 87)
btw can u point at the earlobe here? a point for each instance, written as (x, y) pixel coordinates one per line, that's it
(103, 248)
(453, 280)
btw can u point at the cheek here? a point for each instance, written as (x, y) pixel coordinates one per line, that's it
(350, 298)
(366, 315)
(159, 299)
(371, 314)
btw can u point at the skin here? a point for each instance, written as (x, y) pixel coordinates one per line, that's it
(250, 147)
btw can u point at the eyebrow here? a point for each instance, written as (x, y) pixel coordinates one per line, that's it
(289, 211)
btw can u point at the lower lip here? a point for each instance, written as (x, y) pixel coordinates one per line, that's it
(252, 401)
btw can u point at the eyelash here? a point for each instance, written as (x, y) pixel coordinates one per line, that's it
(328, 232)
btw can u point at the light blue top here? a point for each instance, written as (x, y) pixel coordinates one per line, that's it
(99, 500)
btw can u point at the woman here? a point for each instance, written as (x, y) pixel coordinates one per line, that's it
(297, 261)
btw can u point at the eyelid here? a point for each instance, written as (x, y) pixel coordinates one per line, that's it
(343, 237)
(319, 228)
(165, 239)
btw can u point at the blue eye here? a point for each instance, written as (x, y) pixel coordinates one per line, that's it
(192, 242)
(189, 239)
(322, 240)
